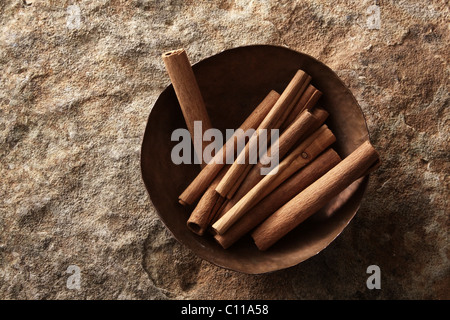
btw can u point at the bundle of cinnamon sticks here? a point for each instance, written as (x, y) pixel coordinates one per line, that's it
(231, 200)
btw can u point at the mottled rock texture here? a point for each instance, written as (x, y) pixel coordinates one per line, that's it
(78, 80)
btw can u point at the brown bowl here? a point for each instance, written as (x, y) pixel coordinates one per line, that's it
(232, 83)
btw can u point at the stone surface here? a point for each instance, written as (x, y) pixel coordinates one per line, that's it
(78, 80)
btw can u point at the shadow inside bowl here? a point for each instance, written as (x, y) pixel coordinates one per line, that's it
(232, 83)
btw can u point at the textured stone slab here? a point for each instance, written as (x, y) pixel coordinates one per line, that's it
(78, 81)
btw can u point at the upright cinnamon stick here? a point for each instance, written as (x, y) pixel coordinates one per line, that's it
(279, 111)
(315, 196)
(198, 186)
(189, 96)
(297, 159)
(281, 195)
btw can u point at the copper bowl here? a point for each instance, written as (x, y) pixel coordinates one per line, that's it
(232, 83)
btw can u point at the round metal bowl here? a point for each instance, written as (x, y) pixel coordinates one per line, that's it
(232, 83)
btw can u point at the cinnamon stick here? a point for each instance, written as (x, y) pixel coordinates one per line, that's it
(295, 132)
(321, 115)
(198, 186)
(243, 177)
(281, 195)
(297, 159)
(189, 96)
(218, 214)
(307, 101)
(293, 103)
(276, 115)
(237, 185)
(315, 196)
(207, 206)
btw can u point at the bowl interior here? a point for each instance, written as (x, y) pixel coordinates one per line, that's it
(232, 83)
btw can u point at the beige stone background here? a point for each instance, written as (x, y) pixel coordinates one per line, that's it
(75, 94)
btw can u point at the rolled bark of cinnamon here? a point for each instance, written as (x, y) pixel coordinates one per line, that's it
(320, 115)
(218, 214)
(277, 115)
(297, 159)
(219, 203)
(297, 131)
(308, 106)
(315, 196)
(243, 177)
(281, 195)
(207, 206)
(198, 186)
(189, 96)
(294, 102)
(306, 101)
